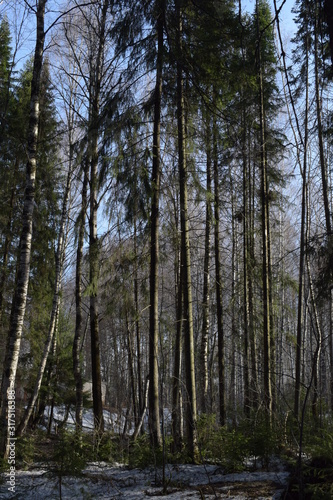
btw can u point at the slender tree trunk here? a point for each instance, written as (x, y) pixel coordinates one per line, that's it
(137, 320)
(300, 310)
(191, 403)
(246, 305)
(265, 239)
(218, 282)
(323, 166)
(154, 417)
(254, 389)
(78, 304)
(131, 369)
(22, 281)
(234, 314)
(176, 383)
(206, 284)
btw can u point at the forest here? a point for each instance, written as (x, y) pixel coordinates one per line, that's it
(166, 252)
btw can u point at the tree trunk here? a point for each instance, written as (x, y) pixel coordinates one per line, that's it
(22, 280)
(154, 417)
(328, 9)
(206, 283)
(218, 281)
(265, 240)
(300, 310)
(95, 92)
(191, 404)
(323, 166)
(78, 305)
(131, 370)
(137, 320)
(246, 305)
(176, 382)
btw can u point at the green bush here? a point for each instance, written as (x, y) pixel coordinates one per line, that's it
(142, 455)
(26, 449)
(264, 440)
(228, 447)
(70, 454)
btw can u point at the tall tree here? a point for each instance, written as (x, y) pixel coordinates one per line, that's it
(191, 402)
(96, 76)
(154, 418)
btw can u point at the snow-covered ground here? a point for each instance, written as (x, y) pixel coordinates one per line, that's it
(102, 482)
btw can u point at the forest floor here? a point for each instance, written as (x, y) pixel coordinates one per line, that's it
(48, 468)
(100, 481)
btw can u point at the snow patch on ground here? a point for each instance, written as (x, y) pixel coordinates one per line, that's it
(101, 481)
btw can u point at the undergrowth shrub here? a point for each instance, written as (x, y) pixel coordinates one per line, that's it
(141, 454)
(70, 455)
(227, 447)
(232, 448)
(264, 440)
(26, 449)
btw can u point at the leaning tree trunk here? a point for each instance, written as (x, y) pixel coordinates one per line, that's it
(191, 403)
(154, 411)
(22, 280)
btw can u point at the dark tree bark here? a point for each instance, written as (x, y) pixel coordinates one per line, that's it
(323, 165)
(328, 9)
